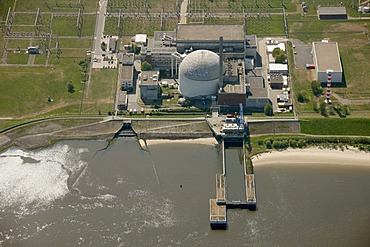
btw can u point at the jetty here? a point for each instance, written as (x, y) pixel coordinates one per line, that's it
(230, 131)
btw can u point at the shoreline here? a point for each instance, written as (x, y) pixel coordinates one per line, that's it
(204, 141)
(313, 156)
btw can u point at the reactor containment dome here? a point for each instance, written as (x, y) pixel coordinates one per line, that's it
(199, 74)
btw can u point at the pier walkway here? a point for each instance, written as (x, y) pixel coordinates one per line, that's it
(235, 188)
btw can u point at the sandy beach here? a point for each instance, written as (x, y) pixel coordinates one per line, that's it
(204, 141)
(312, 156)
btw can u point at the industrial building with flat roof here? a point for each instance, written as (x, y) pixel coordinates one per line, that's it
(150, 90)
(326, 57)
(127, 77)
(331, 13)
(207, 37)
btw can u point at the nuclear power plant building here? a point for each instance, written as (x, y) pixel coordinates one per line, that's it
(208, 61)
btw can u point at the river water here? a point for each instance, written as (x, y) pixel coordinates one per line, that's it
(80, 193)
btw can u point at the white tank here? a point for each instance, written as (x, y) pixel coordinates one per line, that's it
(199, 74)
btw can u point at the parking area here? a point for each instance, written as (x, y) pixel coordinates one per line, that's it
(302, 54)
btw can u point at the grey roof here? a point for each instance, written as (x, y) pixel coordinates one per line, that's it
(127, 72)
(257, 89)
(201, 65)
(331, 10)
(122, 98)
(251, 40)
(187, 32)
(164, 35)
(327, 56)
(147, 77)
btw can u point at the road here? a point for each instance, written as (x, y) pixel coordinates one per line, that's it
(184, 7)
(99, 30)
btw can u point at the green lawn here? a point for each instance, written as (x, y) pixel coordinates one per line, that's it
(55, 5)
(353, 47)
(17, 58)
(4, 7)
(336, 126)
(101, 92)
(24, 91)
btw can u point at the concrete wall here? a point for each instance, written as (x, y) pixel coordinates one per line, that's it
(336, 77)
(255, 104)
(275, 127)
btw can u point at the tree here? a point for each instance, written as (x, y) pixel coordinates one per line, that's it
(280, 58)
(279, 55)
(103, 46)
(268, 110)
(276, 51)
(316, 88)
(70, 87)
(146, 66)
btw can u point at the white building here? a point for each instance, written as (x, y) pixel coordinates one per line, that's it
(326, 56)
(278, 68)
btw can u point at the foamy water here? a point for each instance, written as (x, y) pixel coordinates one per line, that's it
(33, 179)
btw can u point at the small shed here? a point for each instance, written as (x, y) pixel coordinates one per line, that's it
(331, 13)
(278, 68)
(140, 39)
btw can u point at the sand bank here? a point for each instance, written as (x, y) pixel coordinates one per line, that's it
(313, 156)
(204, 141)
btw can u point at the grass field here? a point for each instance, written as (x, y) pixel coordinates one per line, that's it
(17, 58)
(332, 126)
(24, 91)
(101, 93)
(353, 47)
(55, 5)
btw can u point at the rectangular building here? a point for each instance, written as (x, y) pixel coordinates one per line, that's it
(331, 13)
(278, 68)
(159, 50)
(150, 90)
(122, 100)
(326, 56)
(199, 36)
(127, 77)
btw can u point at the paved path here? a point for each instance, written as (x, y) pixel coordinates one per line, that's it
(99, 30)
(344, 101)
(184, 7)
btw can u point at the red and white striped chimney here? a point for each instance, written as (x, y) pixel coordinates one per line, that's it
(328, 85)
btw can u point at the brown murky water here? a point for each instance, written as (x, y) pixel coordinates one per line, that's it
(72, 195)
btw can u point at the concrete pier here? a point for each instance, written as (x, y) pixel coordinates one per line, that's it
(220, 189)
(250, 191)
(217, 216)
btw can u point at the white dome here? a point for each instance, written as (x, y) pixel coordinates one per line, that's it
(199, 74)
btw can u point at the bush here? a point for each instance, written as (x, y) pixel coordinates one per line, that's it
(323, 108)
(70, 87)
(316, 88)
(302, 96)
(268, 110)
(345, 110)
(268, 145)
